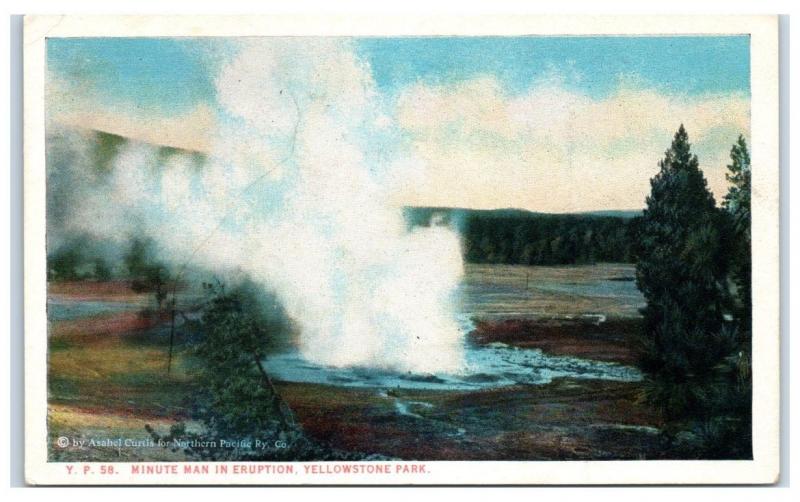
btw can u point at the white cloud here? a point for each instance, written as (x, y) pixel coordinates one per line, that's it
(551, 149)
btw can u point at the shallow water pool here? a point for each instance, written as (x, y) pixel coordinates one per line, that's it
(487, 366)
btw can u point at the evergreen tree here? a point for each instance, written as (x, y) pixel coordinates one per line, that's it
(736, 418)
(681, 271)
(238, 399)
(737, 203)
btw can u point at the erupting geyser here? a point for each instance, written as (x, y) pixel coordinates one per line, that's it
(302, 174)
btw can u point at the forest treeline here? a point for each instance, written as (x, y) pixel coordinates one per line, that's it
(512, 236)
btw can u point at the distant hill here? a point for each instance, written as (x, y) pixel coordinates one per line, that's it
(105, 146)
(421, 214)
(616, 213)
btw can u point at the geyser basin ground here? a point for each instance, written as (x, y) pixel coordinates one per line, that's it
(487, 366)
(113, 341)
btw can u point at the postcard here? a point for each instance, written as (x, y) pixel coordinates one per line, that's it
(336, 250)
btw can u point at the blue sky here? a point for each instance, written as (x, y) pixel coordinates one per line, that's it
(176, 74)
(150, 72)
(592, 65)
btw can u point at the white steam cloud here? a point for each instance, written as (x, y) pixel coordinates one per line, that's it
(297, 193)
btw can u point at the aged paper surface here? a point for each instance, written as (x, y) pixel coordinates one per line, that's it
(440, 250)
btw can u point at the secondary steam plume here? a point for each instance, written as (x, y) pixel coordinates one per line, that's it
(297, 193)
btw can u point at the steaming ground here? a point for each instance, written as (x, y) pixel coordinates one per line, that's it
(486, 366)
(487, 292)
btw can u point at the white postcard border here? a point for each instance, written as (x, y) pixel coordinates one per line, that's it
(763, 30)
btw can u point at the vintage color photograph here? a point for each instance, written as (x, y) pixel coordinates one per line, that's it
(398, 248)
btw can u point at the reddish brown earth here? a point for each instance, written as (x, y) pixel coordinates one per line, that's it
(109, 290)
(613, 340)
(567, 419)
(107, 324)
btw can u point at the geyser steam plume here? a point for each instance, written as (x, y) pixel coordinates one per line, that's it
(302, 174)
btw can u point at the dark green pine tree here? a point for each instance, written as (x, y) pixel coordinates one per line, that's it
(737, 414)
(681, 271)
(737, 203)
(236, 398)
